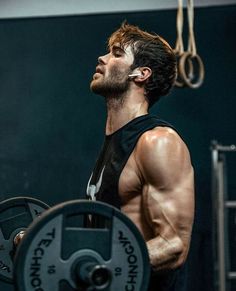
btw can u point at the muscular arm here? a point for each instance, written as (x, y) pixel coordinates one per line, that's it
(168, 195)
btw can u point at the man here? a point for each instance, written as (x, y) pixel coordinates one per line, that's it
(144, 167)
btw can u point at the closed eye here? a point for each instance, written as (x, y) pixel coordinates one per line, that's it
(117, 52)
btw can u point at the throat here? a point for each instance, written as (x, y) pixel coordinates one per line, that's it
(122, 110)
(115, 102)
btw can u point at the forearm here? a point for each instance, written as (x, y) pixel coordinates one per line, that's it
(164, 254)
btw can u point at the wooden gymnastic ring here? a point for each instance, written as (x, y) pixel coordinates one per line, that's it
(179, 82)
(185, 77)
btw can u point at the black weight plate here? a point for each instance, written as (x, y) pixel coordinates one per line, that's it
(48, 255)
(16, 214)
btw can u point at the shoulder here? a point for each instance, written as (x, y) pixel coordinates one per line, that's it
(162, 149)
(160, 138)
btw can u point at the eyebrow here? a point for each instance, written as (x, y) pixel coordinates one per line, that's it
(116, 47)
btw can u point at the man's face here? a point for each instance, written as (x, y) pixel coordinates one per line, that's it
(111, 77)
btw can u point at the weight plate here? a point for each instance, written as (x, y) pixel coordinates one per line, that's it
(63, 251)
(16, 214)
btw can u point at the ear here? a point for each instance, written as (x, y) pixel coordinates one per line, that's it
(145, 73)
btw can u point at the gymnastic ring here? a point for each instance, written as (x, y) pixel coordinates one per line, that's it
(189, 81)
(179, 82)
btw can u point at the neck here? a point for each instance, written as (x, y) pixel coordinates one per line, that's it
(121, 111)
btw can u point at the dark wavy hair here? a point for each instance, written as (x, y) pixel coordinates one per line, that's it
(149, 50)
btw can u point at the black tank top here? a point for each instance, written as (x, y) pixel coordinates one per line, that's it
(104, 181)
(117, 147)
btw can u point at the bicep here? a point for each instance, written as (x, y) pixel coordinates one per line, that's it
(169, 212)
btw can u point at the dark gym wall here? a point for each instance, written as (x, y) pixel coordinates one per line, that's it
(51, 125)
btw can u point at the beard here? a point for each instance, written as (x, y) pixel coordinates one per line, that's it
(114, 86)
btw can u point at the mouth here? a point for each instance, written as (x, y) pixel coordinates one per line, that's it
(99, 70)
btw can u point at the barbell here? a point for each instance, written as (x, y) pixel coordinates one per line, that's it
(75, 245)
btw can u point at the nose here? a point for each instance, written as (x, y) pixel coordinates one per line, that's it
(102, 60)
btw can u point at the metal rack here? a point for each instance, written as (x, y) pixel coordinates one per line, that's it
(221, 205)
